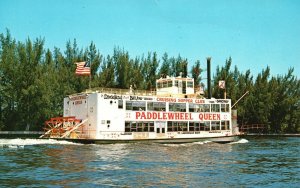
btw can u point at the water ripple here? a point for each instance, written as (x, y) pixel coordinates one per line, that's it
(265, 162)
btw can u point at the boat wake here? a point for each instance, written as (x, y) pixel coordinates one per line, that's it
(189, 144)
(20, 143)
(241, 141)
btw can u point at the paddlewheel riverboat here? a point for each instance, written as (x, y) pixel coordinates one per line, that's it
(174, 113)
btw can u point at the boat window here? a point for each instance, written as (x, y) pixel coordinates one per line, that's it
(202, 127)
(204, 108)
(159, 85)
(139, 126)
(170, 84)
(182, 126)
(151, 126)
(193, 107)
(215, 107)
(128, 105)
(177, 107)
(136, 105)
(169, 125)
(224, 107)
(190, 84)
(224, 125)
(133, 127)
(176, 83)
(156, 106)
(191, 126)
(165, 84)
(174, 126)
(195, 126)
(207, 125)
(198, 107)
(127, 127)
(215, 125)
(120, 104)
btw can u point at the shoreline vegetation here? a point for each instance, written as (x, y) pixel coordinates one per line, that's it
(34, 80)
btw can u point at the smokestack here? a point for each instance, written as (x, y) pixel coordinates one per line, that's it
(208, 77)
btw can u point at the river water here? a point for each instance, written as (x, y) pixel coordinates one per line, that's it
(251, 162)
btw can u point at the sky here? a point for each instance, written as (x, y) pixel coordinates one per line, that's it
(254, 33)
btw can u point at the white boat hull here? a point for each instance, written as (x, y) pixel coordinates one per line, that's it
(223, 139)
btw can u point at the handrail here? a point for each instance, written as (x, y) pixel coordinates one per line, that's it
(121, 91)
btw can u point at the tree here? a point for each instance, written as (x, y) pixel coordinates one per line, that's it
(165, 68)
(34, 81)
(196, 72)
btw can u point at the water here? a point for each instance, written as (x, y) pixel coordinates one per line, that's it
(255, 162)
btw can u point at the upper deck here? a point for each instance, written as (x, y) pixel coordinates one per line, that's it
(178, 87)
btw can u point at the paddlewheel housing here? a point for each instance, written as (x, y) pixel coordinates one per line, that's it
(63, 127)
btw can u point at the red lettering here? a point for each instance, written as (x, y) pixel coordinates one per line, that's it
(181, 116)
(164, 115)
(201, 117)
(154, 115)
(137, 115)
(199, 101)
(170, 115)
(149, 115)
(209, 117)
(143, 116)
(176, 115)
(186, 116)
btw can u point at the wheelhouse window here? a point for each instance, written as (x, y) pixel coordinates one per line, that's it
(177, 107)
(156, 106)
(136, 105)
(170, 83)
(159, 85)
(165, 84)
(190, 84)
(176, 83)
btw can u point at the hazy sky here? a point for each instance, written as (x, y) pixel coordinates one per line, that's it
(255, 33)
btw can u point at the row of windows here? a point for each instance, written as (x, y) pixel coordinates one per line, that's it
(173, 126)
(169, 83)
(173, 107)
(139, 126)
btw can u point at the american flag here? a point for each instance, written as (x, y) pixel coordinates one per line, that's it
(83, 68)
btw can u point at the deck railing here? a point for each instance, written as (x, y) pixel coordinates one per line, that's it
(253, 128)
(121, 91)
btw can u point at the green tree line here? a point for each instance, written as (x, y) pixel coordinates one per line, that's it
(34, 80)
